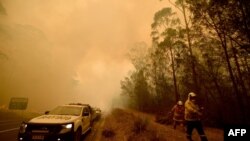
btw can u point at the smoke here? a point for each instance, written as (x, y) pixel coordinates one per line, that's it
(62, 51)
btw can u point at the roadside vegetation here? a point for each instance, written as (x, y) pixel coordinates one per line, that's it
(197, 46)
(129, 125)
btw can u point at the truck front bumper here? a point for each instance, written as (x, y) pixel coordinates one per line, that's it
(46, 137)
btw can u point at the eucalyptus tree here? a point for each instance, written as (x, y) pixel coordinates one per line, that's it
(167, 34)
(182, 7)
(157, 74)
(136, 88)
(228, 21)
(136, 85)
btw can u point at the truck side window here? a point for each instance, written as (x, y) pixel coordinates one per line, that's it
(85, 111)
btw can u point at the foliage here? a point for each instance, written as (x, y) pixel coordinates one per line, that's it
(207, 52)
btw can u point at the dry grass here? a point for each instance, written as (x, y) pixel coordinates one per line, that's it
(127, 125)
(140, 125)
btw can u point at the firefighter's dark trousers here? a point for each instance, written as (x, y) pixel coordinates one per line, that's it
(191, 125)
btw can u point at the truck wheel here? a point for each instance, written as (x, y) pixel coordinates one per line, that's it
(77, 135)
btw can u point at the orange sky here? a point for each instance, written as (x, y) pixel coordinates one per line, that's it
(64, 51)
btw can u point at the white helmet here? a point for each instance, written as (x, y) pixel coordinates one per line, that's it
(180, 103)
(191, 95)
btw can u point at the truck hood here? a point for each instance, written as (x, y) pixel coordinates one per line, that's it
(53, 119)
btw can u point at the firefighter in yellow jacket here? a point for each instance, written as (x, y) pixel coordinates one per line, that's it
(178, 114)
(193, 117)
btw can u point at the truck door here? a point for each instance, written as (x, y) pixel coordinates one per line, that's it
(86, 119)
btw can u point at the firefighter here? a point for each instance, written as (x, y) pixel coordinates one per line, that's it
(178, 114)
(193, 117)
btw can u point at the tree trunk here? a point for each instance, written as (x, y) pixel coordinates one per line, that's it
(238, 70)
(235, 86)
(193, 66)
(244, 18)
(177, 96)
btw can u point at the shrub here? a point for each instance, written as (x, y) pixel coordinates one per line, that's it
(108, 133)
(140, 125)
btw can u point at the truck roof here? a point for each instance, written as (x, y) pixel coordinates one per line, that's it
(79, 104)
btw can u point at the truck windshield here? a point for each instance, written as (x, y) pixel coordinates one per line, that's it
(66, 110)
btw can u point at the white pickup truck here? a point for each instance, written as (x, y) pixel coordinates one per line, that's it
(64, 123)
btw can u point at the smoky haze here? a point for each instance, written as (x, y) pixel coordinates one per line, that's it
(60, 51)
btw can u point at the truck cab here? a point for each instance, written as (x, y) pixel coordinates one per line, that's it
(65, 122)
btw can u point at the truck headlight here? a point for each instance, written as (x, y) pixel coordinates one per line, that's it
(66, 128)
(23, 128)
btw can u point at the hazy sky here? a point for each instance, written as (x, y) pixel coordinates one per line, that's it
(60, 51)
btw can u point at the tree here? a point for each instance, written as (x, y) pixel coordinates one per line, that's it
(226, 19)
(165, 35)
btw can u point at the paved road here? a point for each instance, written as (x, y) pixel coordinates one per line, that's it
(9, 130)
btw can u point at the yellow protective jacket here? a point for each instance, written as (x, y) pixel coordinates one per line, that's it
(192, 111)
